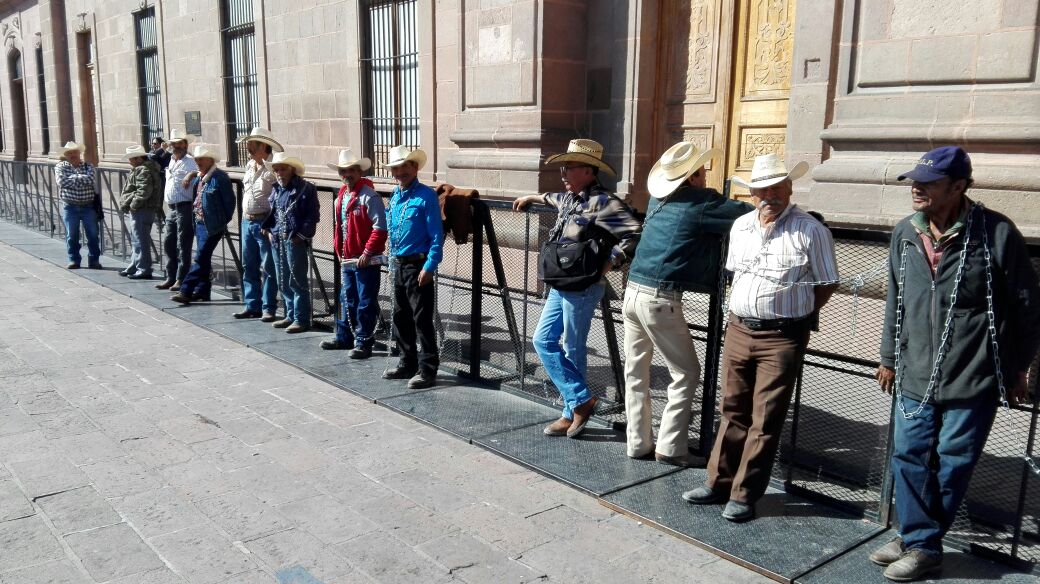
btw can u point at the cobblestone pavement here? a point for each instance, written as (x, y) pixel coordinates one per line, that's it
(136, 448)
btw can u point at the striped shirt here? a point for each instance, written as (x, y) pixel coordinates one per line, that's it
(768, 261)
(257, 183)
(75, 183)
(175, 173)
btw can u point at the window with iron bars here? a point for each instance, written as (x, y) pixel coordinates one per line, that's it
(240, 90)
(149, 91)
(390, 78)
(45, 129)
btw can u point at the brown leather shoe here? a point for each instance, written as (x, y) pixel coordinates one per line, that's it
(582, 414)
(297, 328)
(284, 323)
(557, 428)
(672, 460)
(72, 266)
(268, 317)
(164, 285)
(181, 298)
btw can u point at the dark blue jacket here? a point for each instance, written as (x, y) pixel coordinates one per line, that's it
(295, 210)
(218, 200)
(681, 247)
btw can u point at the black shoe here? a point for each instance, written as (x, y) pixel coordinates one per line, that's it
(399, 372)
(360, 353)
(246, 314)
(140, 276)
(703, 496)
(125, 273)
(422, 380)
(164, 285)
(72, 266)
(736, 511)
(94, 265)
(334, 345)
(200, 297)
(181, 298)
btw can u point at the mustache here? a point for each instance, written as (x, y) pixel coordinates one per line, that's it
(766, 202)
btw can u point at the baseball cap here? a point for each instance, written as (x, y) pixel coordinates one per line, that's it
(944, 162)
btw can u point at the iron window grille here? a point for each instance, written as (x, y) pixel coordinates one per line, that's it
(149, 90)
(45, 130)
(242, 106)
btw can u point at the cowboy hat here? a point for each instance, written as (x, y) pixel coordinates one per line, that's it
(588, 152)
(347, 159)
(283, 158)
(675, 166)
(203, 151)
(72, 146)
(136, 151)
(769, 170)
(264, 137)
(398, 155)
(179, 136)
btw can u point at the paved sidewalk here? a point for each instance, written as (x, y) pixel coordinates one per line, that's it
(140, 449)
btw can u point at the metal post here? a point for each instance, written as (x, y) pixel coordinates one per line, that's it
(500, 278)
(477, 288)
(616, 365)
(712, 357)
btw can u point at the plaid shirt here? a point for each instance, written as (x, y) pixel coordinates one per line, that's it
(595, 213)
(75, 183)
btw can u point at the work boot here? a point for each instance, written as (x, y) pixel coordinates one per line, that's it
(284, 323)
(72, 266)
(399, 372)
(422, 380)
(912, 565)
(737, 511)
(94, 265)
(557, 428)
(164, 285)
(360, 353)
(889, 552)
(582, 414)
(268, 317)
(246, 314)
(297, 328)
(181, 298)
(703, 496)
(672, 460)
(334, 345)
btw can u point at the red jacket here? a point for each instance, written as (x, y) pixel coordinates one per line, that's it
(366, 221)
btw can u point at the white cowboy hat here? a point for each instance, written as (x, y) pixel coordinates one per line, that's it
(179, 136)
(675, 166)
(264, 137)
(203, 151)
(73, 146)
(398, 155)
(769, 170)
(347, 159)
(283, 158)
(588, 152)
(135, 152)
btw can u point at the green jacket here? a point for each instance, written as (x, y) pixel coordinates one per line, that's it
(967, 370)
(141, 192)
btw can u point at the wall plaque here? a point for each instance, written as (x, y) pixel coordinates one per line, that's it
(193, 123)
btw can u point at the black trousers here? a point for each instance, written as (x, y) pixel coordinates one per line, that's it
(413, 320)
(178, 236)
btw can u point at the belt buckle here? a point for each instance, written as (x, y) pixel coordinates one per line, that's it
(752, 323)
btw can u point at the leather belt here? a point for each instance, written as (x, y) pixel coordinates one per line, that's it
(256, 216)
(176, 206)
(416, 258)
(771, 324)
(655, 292)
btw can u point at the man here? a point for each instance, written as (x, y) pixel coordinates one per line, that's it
(416, 236)
(213, 207)
(77, 192)
(159, 154)
(680, 250)
(180, 225)
(784, 271)
(139, 201)
(587, 212)
(291, 226)
(259, 295)
(359, 234)
(937, 352)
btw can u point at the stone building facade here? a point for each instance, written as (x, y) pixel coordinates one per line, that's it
(858, 88)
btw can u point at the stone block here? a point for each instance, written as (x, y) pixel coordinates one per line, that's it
(112, 552)
(191, 428)
(27, 542)
(48, 475)
(119, 477)
(383, 557)
(201, 555)
(58, 572)
(243, 516)
(915, 18)
(160, 576)
(253, 430)
(1005, 108)
(327, 519)
(272, 483)
(1006, 56)
(939, 60)
(159, 452)
(883, 63)
(79, 509)
(64, 423)
(475, 561)
(406, 520)
(294, 551)
(158, 511)
(127, 426)
(43, 402)
(296, 454)
(14, 421)
(229, 453)
(198, 479)
(13, 503)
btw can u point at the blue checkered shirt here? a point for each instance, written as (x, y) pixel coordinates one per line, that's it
(75, 183)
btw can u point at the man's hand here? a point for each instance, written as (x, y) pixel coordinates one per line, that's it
(886, 378)
(1019, 395)
(425, 277)
(606, 268)
(522, 203)
(187, 179)
(298, 240)
(364, 261)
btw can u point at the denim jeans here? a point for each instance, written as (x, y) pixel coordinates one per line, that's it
(139, 224)
(290, 265)
(73, 215)
(257, 261)
(179, 232)
(359, 306)
(933, 456)
(197, 281)
(567, 315)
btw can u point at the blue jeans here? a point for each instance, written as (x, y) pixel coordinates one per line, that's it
(139, 224)
(257, 258)
(567, 315)
(72, 216)
(290, 264)
(933, 456)
(359, 307)
(197, 282)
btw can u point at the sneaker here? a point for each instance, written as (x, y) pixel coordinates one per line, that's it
(181, 298)
(333, 345)
(297, 328)
(284, 323)
(399, 372)
(912, 565)
(140, 276)
(703, 496)
(557, 428)
(889, 552)
(360, 353)
(422, 380)
(72, 266)
(737, 511)
(268, 317)
(582, 414)
(246, 314)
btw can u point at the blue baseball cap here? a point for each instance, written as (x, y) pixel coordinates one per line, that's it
(946, 162)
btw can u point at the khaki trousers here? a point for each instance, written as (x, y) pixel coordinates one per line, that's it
(760, 369)
(654, 322)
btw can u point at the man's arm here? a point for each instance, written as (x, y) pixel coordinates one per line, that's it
(886, 374)
(144, 191)
(435, 231)
(1023, 315)
(617, 219)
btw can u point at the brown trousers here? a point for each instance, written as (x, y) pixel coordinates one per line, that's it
(760, 371)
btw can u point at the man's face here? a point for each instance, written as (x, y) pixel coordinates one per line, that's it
(772, 200)
(576, 176)
(256, 149)
(405, 173)
(156, 144)
(180, 148)
(204, 164)
(73, 156)
(699, 179)
(136, 161)
(350, 175)
(936, 196)
(285, 173)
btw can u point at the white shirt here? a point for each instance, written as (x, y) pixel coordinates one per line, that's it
(175, 173)
(256, 189)
(767, 261)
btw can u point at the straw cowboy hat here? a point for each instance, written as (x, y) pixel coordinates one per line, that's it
(675, 166)
(135, 152)
(264, 137)
(347, 159)
(398, 155)
(769, 170)
(203, 151)
(588, 152)
(73, 146)
(179, 136)
(283, 158)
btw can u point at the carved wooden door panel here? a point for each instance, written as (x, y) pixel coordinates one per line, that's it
(761, 83)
